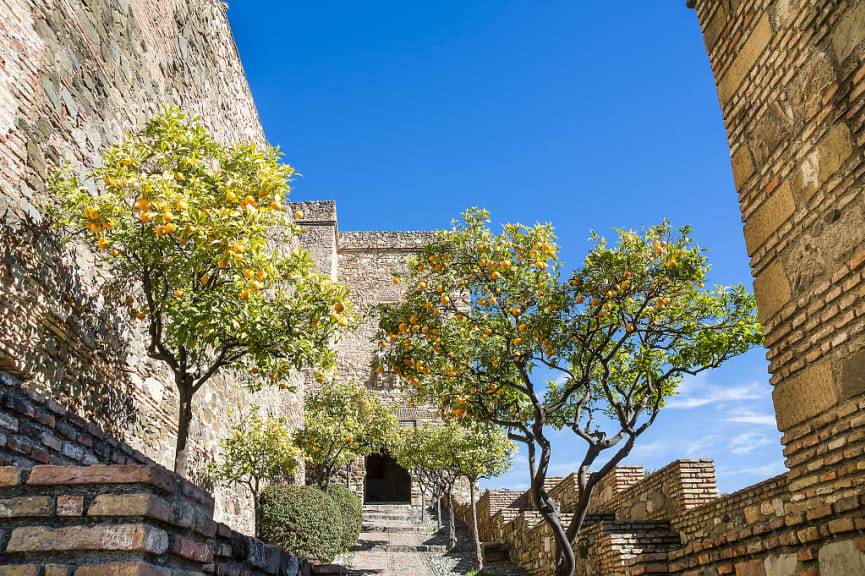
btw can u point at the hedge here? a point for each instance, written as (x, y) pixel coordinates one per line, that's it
(351, 508)
(300, 520)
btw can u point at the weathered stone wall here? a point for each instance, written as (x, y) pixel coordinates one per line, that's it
(74, 76)
(364, 262)
(121, 519)
(791, 79)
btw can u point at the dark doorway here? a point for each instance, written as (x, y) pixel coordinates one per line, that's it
(386, 481)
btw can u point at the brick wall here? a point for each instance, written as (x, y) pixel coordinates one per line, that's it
(74, 76)
(121, 519)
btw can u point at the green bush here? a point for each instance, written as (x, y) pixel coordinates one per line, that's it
(300, 520)
(352, 514)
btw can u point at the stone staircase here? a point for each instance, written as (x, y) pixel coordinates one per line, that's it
(395, 528)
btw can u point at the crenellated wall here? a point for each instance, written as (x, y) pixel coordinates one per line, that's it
(74, 76)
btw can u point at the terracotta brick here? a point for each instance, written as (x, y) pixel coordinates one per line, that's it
(102, 474)
(70, 505)
(752, 568)
(191, 550)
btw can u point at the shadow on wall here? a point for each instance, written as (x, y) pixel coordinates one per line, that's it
(59, 336)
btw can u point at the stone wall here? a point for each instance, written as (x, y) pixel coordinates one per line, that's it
(74, 76)
(365, 263)
(129, 519)
(673, 522)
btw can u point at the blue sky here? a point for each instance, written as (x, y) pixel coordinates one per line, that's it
(589, 115)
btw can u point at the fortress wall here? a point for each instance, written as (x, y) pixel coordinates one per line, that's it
(74, 76)
(791, 79)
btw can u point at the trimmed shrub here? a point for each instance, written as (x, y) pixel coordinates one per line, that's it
(300, 520)
(352, 514)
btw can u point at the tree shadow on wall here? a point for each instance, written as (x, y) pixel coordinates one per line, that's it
(57, 338)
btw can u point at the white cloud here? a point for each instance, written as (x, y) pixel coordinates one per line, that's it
(745, 416)
(765, 470)
(748, 442)
(701, 445)
(696, 393)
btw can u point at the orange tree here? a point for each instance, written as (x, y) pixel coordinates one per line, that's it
(195, 238)
(343, 421)
(257, 452)
(491, 331)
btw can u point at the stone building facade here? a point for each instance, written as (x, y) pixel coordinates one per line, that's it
(364, 262)
(74, 76)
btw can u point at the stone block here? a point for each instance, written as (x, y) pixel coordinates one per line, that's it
(10, 476)
(123, 569)
(781, 565)
(777, 208)
(715, 26)
(108, 537)
(19, 570)
(102, 474)
(70, 505)
(808, 393)
(146, 505)
(757, 41)
(750, 568)
(849, 32)
(26, 506)
(842, 558)
(772, 290)
(58, 569)
(823, 161)
(853, 374)
(743, 165)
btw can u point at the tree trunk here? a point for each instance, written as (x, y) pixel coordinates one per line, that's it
(257, 506)
(422, 500)
(452, 529)
(479, 555)
(438, 511)
(184, 419)
(550, 511)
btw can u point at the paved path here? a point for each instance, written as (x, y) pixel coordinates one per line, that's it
(390, 544)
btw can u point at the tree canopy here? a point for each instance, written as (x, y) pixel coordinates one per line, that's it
(199, 248)
(343, 421)
(491, 330)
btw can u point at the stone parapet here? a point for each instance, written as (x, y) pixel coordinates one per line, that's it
(132, 519)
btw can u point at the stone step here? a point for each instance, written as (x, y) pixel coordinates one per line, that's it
(401, 547)
(391, 529)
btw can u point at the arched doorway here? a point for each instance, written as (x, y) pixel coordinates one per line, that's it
(386, 481)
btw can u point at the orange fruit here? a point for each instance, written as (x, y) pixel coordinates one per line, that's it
(141, 315)
(298, 215)
(103, 243)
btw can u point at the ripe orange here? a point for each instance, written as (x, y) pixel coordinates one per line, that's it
(170, 228)
(179, 293)
(231, 196)
(141, 315)
(244, 294)
(298, 215)
(103, 243)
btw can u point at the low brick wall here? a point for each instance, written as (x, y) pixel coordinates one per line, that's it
(123, 520)
(673, 522)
